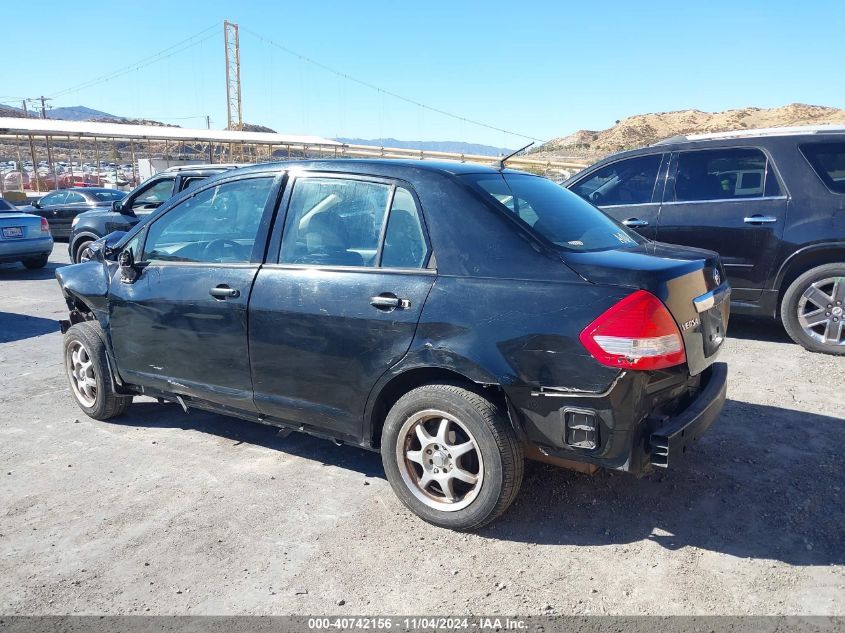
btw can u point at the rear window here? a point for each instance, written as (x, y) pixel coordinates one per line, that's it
(556, 213)
(828, 160)
(5, 206)
(108, 196)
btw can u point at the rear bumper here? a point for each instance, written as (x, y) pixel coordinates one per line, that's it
(15, 251)
(642, 420)
(670, 441)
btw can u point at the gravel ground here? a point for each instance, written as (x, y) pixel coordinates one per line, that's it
(166, 513)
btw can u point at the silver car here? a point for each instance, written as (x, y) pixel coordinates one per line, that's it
(23, 237)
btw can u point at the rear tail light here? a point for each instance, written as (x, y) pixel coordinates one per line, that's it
(45, 226)
(636, 333)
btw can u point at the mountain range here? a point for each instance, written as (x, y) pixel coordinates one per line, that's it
(645, 129)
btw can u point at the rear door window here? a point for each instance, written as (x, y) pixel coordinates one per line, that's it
(724, 174)
(629, 181)
(334, 222)
(828, 161)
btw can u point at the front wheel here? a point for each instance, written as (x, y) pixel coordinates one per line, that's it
(81, 252)
(451, 456)
(88, 373)
(813, 309)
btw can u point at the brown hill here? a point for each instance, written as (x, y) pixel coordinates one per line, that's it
(645, 129)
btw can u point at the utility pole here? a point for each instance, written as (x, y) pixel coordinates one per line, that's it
(210, 144)
(44, 106)
(233, 75)
(25, 111)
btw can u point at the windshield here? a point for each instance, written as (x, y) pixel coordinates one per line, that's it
(556, 213)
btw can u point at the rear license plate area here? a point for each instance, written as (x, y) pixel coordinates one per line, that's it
(13, 231)
(713, 329)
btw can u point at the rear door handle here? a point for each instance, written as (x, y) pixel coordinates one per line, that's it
(635, 222)
(760, 219)
(223, 292)
(388, 301)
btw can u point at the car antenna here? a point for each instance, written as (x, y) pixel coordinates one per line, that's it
(501, 162)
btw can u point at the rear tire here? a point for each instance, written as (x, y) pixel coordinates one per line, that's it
(813, 309)
(88, 373)
(451, 456)
(36, 262)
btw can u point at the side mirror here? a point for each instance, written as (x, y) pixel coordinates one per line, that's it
(36, 204)
(128, 271)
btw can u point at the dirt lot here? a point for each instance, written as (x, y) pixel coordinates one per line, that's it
(167, 513)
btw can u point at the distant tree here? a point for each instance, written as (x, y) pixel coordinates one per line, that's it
(115, 155)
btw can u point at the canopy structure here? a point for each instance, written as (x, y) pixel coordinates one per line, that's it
(10, 126)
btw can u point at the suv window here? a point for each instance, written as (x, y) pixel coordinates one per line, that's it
(721, 174)
(219, 224)
(155, 194)
(628, 181)
(333, 221)
(828, 161)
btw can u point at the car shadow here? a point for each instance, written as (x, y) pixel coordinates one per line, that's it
(168, 415)
(19, 271)
(16, 327)
(758, 329)
(765, 482)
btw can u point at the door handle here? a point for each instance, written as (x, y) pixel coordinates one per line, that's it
(223, 291)
(635, 222)
(388, 301)
(760, 219)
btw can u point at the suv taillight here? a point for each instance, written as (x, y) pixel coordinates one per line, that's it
(636, 333)
(45, 226)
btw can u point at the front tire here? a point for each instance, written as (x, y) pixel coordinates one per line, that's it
(36, 262)
(79, 251)
(451, 456)
(87, 370)
(813, 309)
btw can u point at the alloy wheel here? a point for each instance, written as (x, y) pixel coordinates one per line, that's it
(821, 311)
(80, 368)
(439, 460)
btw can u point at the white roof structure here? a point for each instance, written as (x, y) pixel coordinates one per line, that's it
(11, 126)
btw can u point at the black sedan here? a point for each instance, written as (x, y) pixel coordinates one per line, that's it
(457, 318)
(62, 206)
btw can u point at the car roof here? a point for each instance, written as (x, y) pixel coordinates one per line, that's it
(737, 138)
(385, 166)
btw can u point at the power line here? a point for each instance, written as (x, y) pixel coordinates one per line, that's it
(361, 82)
(170, 51)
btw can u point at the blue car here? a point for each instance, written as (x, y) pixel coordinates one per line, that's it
(23, 237)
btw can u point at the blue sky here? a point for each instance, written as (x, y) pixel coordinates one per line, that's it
(541, 69)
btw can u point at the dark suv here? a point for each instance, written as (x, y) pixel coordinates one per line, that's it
(123, 214)
(771, 202)
(455, 317)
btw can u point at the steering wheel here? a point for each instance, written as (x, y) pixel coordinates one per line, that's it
(221, 243)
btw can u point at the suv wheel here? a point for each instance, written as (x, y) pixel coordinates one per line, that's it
(88, 373)
(79, 254)
(813, 309)
(451, 456)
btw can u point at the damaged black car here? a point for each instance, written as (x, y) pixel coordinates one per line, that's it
(457, 318)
